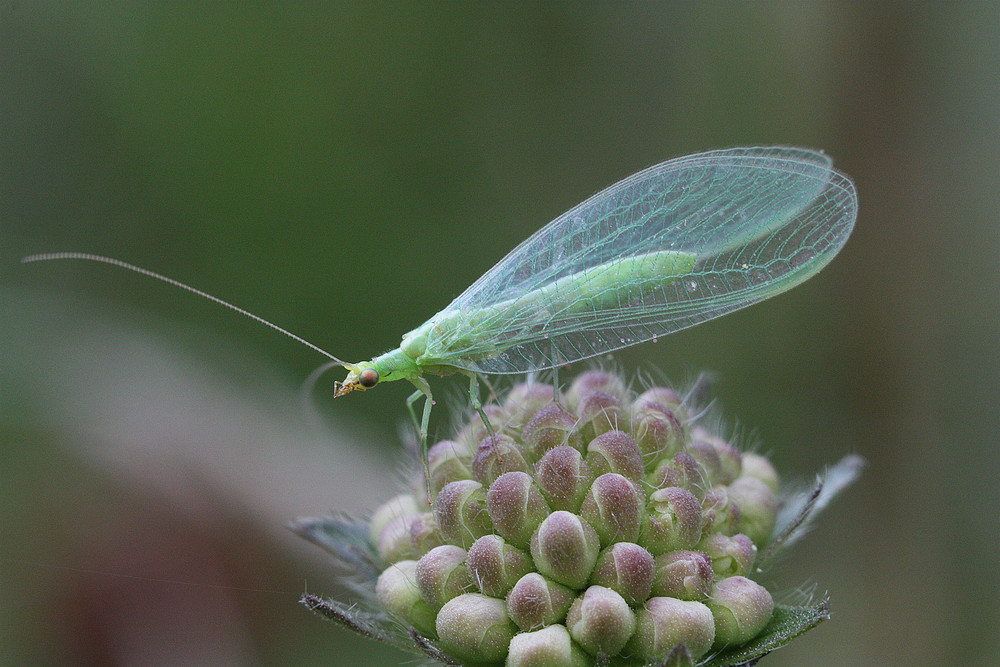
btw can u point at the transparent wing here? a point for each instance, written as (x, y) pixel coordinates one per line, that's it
(752, 222)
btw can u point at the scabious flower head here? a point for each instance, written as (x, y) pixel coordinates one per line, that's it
(592, 525)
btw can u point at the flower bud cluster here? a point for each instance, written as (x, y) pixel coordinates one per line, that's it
(595, 522)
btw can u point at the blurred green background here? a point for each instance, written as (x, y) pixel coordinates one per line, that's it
(345, 170)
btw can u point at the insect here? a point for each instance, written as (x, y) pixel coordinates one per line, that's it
(672, 246)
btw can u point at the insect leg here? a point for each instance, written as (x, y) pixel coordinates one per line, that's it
(423, 389)
(478, 404)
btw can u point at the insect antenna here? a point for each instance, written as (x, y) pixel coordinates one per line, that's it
(45, 257)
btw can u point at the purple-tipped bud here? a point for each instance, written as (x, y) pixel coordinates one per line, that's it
(599, 413)
(707, 456)
(658, 432)
(549, 647)
(673, 521)
(755, 465)
(731, 556)
(476, 628)
(516, 506)
(524, 400)
(550, 427)
(683, 574)
(442, 574)
(448, 461)
(600, 621)
(404, 504)
(461, 513)
(496, 455)
(398, 594)
(614, 508)
(496, 566)
(742, 608)
(719, 513)
(627, 569)
(682, 471)
(592, 381)
(666, 397)
(535, 601)
(424, 534)
(394, 542)
(564, 478)
(665, 622)
(615, 451)
(565, 548)
(758, 507)
(474, 432)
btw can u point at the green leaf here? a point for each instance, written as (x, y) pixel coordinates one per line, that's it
(786, 624)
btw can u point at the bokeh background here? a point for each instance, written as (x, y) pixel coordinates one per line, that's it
(346, 169)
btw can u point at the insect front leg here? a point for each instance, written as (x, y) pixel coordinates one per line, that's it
(423, 389)
(478, 404)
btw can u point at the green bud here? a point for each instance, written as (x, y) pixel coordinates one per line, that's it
(535, 601)
(658, 432)
(398, 594)
(442, 574)
(394, 542)
(666, 397)
(755, 465)
(404, 504)
(524, 400)
(627, 569)
(549, 647)
(615, 451)
(496, 566)
(476, 628)
(496, 455)
(565, 548)
(682, 471)
(448, 461)
(461, 513)
(599, 413)
(424, 534)
(722, 461)
(588, 382)
(665, 622)
(564, 478)
(719, 513)
(550, 427)
(600, 621)
(673, 521)
(731, 555)
(516, 507)
(758, 507)
(742, 608)
(614, 508)
(683, 574)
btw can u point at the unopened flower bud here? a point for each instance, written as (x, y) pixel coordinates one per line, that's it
(404, 504)
(524, 400)
(707, 456)
(535, 601)
(565, 548)
(673, 521)
(548, 647)
(666, 397)
(615, 451)
(516, 507)
(448, 461)
(550, 427)
(398, 594)
(564, 478)
(394, 541)
(424, 534)
(461, 513)
(496, 566)
(731, 555)
(614, 507)
(682, 471)
(658, 432)
(627, 569)
(476, 628)
(755, 465)
(683, 574)
(496, 455)
(601, 621)
(599, 413)
(758, 507)
(742, 608)
(588, 382)
(719, 513)
(442, 574)
(665, 622)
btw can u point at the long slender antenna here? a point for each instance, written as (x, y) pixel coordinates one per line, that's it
(45, 257)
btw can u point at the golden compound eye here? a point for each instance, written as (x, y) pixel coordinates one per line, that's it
(368, 378)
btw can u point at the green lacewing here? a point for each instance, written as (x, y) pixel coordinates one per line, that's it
(672, 246)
